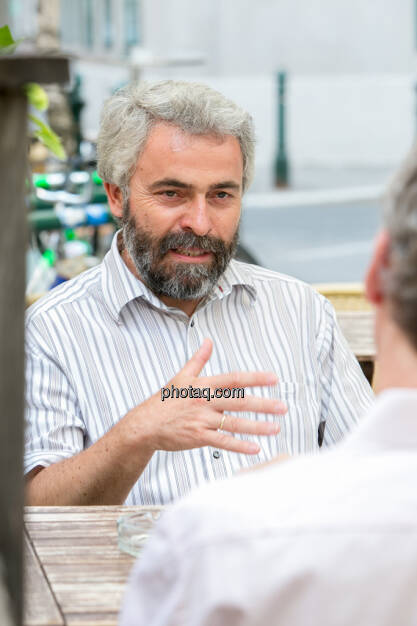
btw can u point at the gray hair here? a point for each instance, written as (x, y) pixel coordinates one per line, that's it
(400, 279)
(129, 115)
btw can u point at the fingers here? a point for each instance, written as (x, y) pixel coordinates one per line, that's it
(249, 403)
(227, 442)
(194, 365)
(241, 425)
(231, 424)
(239, 379)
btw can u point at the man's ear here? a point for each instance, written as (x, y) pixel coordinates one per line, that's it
(380, 261)
(115, 198)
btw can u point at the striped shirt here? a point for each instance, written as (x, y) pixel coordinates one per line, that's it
(102, 343)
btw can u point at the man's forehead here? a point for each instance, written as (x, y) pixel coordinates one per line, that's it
(172, 153)
(179, 140)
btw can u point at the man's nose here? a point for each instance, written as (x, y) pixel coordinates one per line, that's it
(196, 216)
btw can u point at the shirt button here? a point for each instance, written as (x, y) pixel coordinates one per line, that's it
(192, 323)
(216, 454)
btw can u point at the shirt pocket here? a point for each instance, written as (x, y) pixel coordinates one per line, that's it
(299, 426)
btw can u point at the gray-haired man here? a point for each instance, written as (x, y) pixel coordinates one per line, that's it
(175, 159)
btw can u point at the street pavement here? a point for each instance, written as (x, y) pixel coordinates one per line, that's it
(324, 243)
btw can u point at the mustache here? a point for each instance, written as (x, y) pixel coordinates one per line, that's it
(187, 239)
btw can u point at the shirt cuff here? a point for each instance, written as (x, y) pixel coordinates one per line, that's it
(45, 458)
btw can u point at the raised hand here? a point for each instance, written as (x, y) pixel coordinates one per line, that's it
(192, 422)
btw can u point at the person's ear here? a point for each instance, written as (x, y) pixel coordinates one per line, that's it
(115, 198)
(380, 261)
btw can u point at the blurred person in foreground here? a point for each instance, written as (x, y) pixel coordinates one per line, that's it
(323, 540)
(176, 158)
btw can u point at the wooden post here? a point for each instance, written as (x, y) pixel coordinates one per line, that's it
(13, 147)
(14, 72)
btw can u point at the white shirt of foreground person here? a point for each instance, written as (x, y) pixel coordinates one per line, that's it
(336, 545)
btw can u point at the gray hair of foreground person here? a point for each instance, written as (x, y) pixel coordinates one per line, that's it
(400, 277)
(129, 115)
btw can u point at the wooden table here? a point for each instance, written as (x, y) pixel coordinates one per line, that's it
(75, 573)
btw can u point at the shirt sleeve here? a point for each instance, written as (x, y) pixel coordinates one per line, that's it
(176, 581)
(346, 394)
(54, 429)
(156, 593)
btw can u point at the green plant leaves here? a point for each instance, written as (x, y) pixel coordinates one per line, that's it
(47, 136)
(37, 97)
(6, 38)
(7, 44)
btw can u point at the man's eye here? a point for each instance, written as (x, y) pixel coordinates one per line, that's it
(170, 193)
(222, 194)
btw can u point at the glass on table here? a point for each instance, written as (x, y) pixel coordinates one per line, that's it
(134, 529)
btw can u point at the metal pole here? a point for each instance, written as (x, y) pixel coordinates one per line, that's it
(281, 160)
(415, 98)
(415, 44)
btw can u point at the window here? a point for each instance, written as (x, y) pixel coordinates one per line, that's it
(108, 25)
(131, 24)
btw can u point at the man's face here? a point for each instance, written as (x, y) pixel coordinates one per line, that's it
(180, 224)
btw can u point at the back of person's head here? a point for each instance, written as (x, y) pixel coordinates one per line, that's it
(399, 279)
(129, 115)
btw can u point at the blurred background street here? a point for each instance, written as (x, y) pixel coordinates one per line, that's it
(323, 243)
(331, 87)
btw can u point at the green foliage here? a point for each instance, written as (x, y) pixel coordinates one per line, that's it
(47, 136)
(7, 44)
(37, 98)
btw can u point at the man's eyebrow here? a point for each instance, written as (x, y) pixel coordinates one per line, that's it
(228, 184)
(173, 182)
(168, 182)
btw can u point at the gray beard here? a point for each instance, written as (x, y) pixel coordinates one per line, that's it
(184, 281)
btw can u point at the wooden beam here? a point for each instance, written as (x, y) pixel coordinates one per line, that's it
(13, 149)
(14, 72)
(29, 68)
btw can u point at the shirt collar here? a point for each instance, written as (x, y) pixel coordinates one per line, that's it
(120, 286)
(391, 423)
(236, 274)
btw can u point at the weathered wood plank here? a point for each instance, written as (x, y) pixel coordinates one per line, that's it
(40, 607)
(61, 554)
(73, 526)
(78, 549)
(94, 598)
(92, 619)
(59, 513)
(62, 575)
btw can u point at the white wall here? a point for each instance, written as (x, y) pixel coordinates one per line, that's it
(321, 36)
(351, 119)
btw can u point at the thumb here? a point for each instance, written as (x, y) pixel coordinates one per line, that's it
(194, 365)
